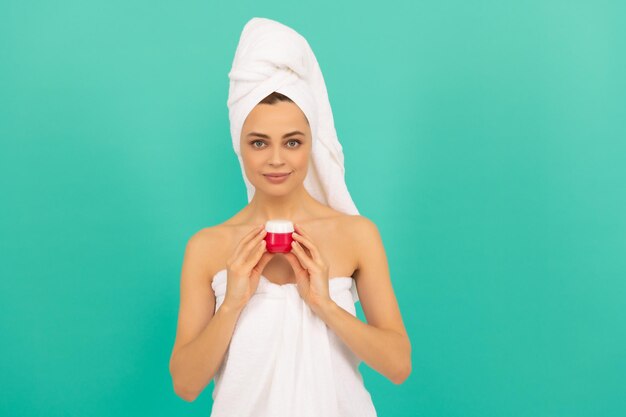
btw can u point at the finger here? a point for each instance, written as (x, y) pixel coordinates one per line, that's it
(309, 241)
(260, 255)
(302, 276)
(295, 263)
(301, 231)
(308, 244)
(265, 258)
(248, 236)
(249, 251)
(246, 250)
(304, 259)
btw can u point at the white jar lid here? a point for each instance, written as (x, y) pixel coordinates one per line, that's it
(279, 226)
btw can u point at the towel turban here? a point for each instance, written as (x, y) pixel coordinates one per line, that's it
(272, 57)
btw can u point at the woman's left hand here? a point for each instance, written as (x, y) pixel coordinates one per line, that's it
(310, 269)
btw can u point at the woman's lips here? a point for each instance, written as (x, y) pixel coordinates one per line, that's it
(277, 179)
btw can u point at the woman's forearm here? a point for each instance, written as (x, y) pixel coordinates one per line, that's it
(385, 351)
(195, 364)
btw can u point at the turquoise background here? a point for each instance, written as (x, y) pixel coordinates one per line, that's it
(486, 139)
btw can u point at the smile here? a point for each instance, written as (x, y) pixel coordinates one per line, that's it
(276, 179)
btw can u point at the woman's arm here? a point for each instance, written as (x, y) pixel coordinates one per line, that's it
(202, 337)
(382, 342)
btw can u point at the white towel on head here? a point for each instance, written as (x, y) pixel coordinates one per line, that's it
(273, 57)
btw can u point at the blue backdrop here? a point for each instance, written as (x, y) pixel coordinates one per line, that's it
(485, 139)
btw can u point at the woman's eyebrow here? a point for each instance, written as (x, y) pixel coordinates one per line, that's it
(261, 135)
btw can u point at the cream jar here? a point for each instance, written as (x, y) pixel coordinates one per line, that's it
(278, 237)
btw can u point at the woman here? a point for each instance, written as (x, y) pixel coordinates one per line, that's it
(279, 332)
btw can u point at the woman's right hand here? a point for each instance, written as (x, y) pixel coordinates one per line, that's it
(245, 266)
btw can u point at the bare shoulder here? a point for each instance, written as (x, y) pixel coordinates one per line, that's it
(363, 238)
(204, 237)
(362, 230)
(369, 249)
(205, 247)
(208, 234)
(359, 222)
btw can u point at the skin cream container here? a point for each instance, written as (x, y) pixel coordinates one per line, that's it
(278, 237)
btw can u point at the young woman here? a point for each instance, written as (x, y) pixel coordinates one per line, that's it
(278, 332)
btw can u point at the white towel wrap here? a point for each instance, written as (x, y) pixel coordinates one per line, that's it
(283, 361)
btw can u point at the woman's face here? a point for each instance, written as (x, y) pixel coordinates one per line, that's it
(276, 138)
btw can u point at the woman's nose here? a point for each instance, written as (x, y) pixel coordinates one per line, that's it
(276, 158)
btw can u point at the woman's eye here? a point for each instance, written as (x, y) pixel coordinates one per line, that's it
(289, 141)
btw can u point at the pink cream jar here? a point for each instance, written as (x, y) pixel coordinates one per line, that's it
(278, 237)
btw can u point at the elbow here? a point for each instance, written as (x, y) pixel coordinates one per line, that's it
(402, 375)
(185, 393)
(404, 368)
